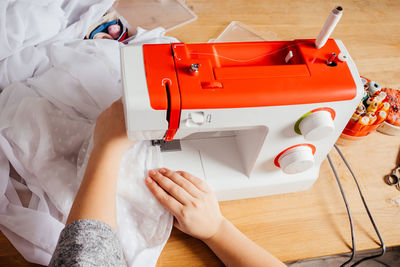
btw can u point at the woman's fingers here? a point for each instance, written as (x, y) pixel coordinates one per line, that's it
(170, 187)
(198, 216)
(200, 184)
(177, 178)
(163, 197)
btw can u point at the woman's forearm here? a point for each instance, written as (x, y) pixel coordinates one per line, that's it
(236, 250)
(96, 198)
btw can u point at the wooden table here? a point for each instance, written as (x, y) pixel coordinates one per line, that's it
(312, 223)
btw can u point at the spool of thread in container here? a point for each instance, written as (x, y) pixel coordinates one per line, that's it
(374, 87)
(362, 122)
(359, 112)
(378, 99)
(361, 108)
(385, 107)
(383, 95)
(369, 101)
(114, 31)
(373, 107)
(382, 115)
(372, 117)
(356, 116)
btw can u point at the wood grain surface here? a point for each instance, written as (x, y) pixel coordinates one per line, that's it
(311, 223)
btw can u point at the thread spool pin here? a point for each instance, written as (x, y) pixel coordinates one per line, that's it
(331, 60)
(194, 68)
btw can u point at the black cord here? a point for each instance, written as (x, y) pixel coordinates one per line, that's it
(353, 241)
(383, 246)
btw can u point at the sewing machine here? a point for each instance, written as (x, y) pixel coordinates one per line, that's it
(251, 119)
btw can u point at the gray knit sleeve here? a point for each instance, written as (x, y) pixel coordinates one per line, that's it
(88, 243)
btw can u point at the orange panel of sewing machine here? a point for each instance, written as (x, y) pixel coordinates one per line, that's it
(249, 74)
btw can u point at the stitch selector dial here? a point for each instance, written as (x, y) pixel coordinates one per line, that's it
(296, 159)
(316, 124)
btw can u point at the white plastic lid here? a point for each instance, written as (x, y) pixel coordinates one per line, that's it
(317, 125)
(296, 160)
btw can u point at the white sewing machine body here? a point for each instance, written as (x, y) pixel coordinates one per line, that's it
(253, 149)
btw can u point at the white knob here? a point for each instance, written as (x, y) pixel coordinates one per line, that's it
(296, 160)
(317, 125)
(343, 57)
(195, 119)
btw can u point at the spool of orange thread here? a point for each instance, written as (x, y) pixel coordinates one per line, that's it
(372, 117)
(382, 115)
(356, 116)
(369, 101)
(360, 111)
(379, 99)
(362, 122)
(373, 107)
(361, 108)
(385, 107)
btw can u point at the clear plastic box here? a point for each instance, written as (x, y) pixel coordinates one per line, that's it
(150, 14)
(237, 31)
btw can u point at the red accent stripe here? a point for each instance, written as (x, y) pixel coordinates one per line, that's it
(280, 154)
(333, 113)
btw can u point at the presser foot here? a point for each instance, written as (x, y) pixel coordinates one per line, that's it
(165, 146)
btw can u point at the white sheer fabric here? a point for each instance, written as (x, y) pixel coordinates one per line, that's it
(55, 85)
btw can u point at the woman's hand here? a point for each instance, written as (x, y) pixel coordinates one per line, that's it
(197, 213)
(110, 131)
(189, 199)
